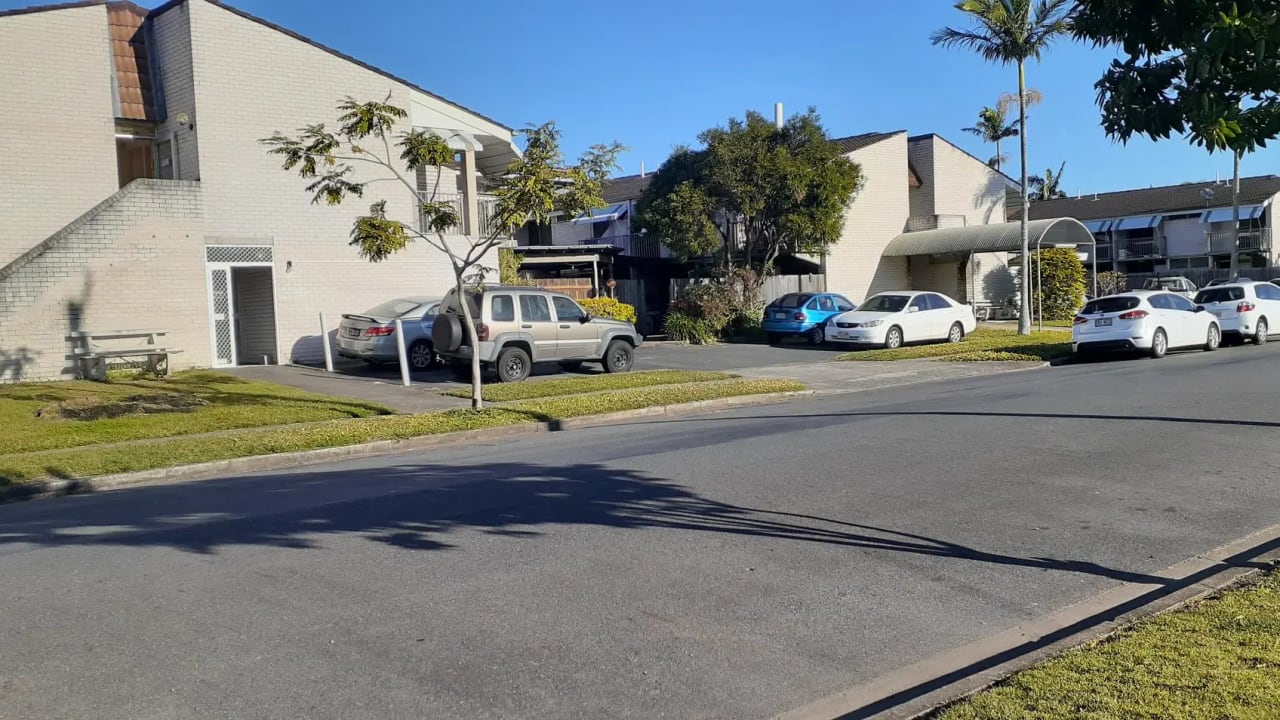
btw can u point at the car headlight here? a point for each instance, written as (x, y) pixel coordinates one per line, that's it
(873, 323)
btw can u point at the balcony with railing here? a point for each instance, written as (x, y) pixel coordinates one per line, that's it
(483, 225)
(637, 245)
(1132, 248)
(1251, 240)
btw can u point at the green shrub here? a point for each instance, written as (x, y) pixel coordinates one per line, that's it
(682, 328)
(1059, 274)
(608, 307)
(509, 267)
(1111, 282)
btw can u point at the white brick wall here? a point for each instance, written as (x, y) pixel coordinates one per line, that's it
(877, 215)
(56, 125)
(250, 81)
(129, 265)
(173, 54)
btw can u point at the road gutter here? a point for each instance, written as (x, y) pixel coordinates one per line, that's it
(923, 687)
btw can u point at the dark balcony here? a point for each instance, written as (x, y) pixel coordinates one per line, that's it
(641, 246)
(1132, 249)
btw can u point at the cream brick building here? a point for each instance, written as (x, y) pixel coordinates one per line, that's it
(140, 198)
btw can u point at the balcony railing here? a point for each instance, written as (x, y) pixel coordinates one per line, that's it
(1104, 253)
(1252, 240)
(934, 222)
(1130, 249)
(485, 206)
(641, 246)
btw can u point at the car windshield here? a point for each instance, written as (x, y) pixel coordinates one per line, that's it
(792, 300)
(394, 308)
(885, 304)
(1110, 305)
(1220, 294)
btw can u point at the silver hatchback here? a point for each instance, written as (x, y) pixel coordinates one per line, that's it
(371, 335)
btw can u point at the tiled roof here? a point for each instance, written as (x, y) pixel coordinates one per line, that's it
(129, 51)
(627, 187)
(858, 142)
(1186, 197)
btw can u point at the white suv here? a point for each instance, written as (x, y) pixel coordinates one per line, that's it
(1244, 308)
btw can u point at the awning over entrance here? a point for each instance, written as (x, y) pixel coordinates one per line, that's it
(1003, 237)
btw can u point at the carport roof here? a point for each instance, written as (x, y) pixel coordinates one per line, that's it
(1002, 237)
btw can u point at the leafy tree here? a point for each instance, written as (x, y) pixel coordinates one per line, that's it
(534, 187)
(752, 192)
(993, 128)
(1111, 282)
(1011, 32)
(1205, 69)
(1059, 283)
(1047, 186)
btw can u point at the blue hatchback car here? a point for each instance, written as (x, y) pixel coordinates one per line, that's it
(802, 314)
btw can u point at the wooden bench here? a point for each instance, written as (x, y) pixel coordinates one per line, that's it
(91, 357)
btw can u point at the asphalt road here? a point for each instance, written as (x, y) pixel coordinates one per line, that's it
(733, 565)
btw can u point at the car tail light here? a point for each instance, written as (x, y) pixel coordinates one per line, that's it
(799, 317)
(482, 332)
(1080, 320)
(1246, 307)
(379, 331)
(1134, 315)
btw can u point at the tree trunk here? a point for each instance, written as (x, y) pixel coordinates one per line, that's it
(1024, 312)
(469, 326)
(1235, 219)
(998, 161)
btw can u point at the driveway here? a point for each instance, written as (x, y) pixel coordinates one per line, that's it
(732, 565)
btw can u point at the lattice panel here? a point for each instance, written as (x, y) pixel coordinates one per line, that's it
(218, 280)
(238, 253)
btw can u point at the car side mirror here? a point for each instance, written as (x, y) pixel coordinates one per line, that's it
(913, 309)
(584, 318)
(1199, 308)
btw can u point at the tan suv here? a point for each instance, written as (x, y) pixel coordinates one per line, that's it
(519, 326)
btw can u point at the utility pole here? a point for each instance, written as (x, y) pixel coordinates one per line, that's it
(1235, 219)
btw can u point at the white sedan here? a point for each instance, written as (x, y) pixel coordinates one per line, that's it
(1146, 321)
(892, 319)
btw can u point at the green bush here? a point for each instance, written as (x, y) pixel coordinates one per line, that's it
(682, 328)
(509, 263)
(1059, 274)
(1111, 282)
(608, 307)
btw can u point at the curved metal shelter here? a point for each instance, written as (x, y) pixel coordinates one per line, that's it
(1002, 237)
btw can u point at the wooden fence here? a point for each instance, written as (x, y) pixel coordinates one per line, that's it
(774, 286)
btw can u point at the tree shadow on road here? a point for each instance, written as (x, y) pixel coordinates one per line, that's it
(435, 507)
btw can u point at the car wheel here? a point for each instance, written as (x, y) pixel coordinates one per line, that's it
(817, 336)
(513, 365)
(1159, 344)
(571, 365)
(1260, 335)
(956, 333)
(1214, 340)
(422, 356)
(893, 338)
(618, 357)
(773, 338)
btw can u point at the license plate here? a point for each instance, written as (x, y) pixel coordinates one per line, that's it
(841, 333)
(1102, 322)
(353, 332)
(779, 316)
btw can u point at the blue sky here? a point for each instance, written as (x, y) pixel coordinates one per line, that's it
(653, 74)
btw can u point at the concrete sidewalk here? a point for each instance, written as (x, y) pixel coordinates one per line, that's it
(417, 398)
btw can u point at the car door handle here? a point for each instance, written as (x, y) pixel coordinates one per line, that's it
(527, 327)
(564, 327)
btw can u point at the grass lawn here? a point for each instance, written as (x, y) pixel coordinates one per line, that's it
(982, 344)
(589, 383)
(173, 451)
(1219, 658)
(49, 416)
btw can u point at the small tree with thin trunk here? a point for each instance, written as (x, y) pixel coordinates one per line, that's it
(534, 187)
(1011, 32)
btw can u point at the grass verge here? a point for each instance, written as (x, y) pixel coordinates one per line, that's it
(589, 383)
(170, 452)
(1045, 345)
(991, 356)
(1219, 658)
(48, 416)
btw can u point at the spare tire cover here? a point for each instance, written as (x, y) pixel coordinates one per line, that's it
(447, 333)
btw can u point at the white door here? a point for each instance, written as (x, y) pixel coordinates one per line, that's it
(917, 324)
(1269, 304)
(1193, 328)
(221, 316)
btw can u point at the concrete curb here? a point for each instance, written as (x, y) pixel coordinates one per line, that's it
(262, 463)
(921, 689)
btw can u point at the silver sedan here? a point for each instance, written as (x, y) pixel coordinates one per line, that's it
(370, 335)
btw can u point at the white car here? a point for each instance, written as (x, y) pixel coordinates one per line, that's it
(1177, 285)
(1147, 321)
(892, 319)
(1245, 309)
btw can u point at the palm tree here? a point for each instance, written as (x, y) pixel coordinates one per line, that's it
(1048, 187)
(991, 127)
(1011, 32)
